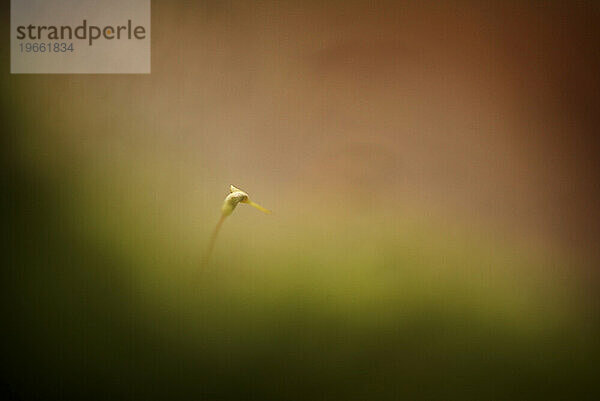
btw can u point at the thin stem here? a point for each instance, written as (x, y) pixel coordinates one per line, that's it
(213, 239)
(259, 207)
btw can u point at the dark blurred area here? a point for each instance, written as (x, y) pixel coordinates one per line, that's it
(433, 172)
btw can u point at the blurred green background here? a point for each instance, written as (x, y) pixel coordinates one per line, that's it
(432, 171)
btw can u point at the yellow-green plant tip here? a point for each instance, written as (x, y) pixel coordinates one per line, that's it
(231, 201)
(235, 196)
